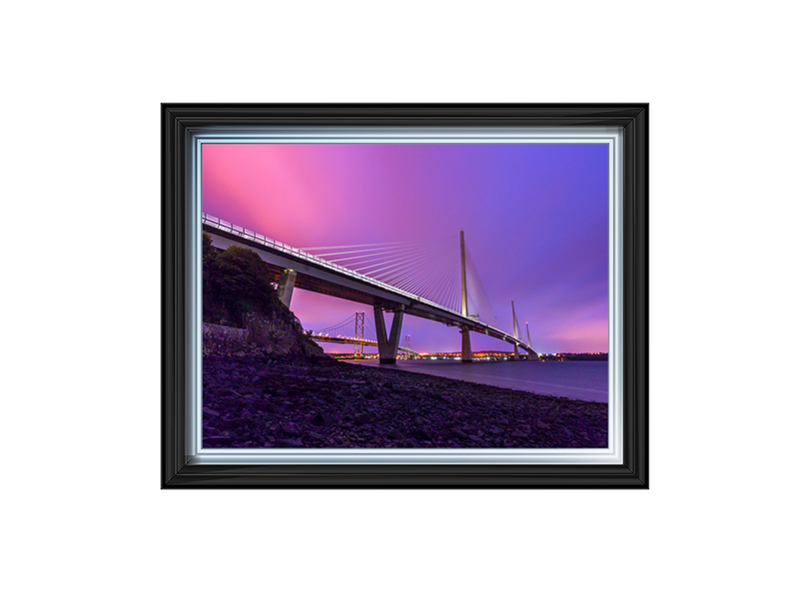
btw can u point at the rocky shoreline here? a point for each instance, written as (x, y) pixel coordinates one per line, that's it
(258, 401)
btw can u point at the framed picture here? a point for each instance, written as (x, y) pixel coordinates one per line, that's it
(404, 296)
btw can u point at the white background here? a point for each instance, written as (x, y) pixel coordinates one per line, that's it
(84, 517)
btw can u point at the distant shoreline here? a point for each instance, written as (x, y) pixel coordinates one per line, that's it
(489, 356)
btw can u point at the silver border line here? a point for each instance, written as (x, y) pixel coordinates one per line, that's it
(613, 137)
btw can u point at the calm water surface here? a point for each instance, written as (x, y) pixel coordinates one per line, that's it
(576, 380)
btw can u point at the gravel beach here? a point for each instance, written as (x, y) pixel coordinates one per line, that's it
(254, 401)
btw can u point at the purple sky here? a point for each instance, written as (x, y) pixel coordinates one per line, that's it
(535, 218)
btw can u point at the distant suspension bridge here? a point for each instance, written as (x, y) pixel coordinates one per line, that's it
(355, 330)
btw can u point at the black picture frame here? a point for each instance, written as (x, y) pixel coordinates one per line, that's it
(178, 123)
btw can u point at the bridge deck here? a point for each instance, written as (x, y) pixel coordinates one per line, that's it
(321, 276)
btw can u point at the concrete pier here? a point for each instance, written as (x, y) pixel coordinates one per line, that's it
(286, 283)
(388, 345)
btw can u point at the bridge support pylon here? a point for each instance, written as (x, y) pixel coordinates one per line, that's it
(286, 283)
(360, 331)
(388, 345)
(516, 332)
(531, 355)
(466, 345)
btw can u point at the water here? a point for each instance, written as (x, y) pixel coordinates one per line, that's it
(577, 380)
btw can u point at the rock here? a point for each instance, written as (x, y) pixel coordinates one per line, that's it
(362, 418)
(541, 425)
(210, 412)
(225, 392)
(214, 441)
(291, 430)
(395, 434)
(518, 434)
(324, 418)
(282, 393)
(289, 443)
(460, 434)
(423, 434)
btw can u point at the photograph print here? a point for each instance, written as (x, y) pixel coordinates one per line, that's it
(390, 295)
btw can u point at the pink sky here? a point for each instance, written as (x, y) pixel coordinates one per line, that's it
(535, 217)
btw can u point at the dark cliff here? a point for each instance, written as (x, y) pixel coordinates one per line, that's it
(241, 309)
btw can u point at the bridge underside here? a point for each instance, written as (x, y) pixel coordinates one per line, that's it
(320, 279)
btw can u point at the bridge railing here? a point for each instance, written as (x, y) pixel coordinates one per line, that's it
(314, 259)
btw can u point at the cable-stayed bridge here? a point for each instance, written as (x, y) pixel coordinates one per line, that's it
(422, 279)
